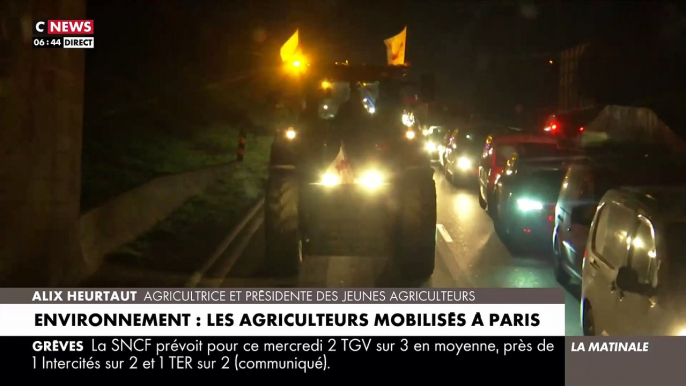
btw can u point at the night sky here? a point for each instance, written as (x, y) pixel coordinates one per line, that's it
(488, 55)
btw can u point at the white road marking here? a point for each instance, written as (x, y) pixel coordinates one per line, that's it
(444, 233)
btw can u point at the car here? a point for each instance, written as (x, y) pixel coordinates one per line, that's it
(524, 199)
(461, 158)
(433, 142)
(447, 142)
(499, 149)
(585, 182)
(634, 268)
(360, 184)
(569, 125)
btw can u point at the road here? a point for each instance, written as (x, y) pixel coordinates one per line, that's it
(469, 255)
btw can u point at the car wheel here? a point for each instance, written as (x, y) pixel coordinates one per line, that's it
(415, 241)
(281, 224)
(560, 274)
(588, 323)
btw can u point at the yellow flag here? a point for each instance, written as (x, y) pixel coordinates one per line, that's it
(395, 48)
(289, 50)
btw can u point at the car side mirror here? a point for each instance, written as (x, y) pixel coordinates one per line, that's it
(627, 280)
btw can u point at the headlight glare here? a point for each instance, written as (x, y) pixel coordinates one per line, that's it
(330, 179)
(527, 205)
(464, 163)
(371, 179)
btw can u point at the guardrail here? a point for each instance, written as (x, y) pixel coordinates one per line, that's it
(126, 217)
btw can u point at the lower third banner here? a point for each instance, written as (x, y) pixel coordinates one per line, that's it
(488, 334)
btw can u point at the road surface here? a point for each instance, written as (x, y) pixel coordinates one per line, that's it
(469, 255)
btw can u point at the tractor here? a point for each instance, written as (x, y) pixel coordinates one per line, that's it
(349, 178)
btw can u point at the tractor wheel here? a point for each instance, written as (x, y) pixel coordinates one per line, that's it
(416, 236)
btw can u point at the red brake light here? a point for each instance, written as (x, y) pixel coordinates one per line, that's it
(581, 129)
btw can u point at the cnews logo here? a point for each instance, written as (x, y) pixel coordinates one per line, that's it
(63, 27)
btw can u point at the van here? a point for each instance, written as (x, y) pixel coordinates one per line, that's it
(585, 183)
(634, 269)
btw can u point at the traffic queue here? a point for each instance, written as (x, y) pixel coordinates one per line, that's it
(610, 215)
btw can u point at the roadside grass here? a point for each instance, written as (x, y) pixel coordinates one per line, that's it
(126, 146)
(183, 241)
(117, 163)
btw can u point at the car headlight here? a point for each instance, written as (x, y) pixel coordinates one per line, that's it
(330, 179)
(464, 163)
(290, 133)
(527, 205)
(410, 134)
(430, 146)
(371, 179)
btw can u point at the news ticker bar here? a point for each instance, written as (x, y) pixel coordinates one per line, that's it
(542, 360)
(64, 42)
(332, 358)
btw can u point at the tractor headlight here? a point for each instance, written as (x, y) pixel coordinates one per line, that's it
(527, 205)
(464, 163)
(290, 133)
(330, 179)
(371, 179)
(430, 147)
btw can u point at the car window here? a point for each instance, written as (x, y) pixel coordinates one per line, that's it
(615, 223)
(537, 150)
(568, 189)
(586, 191)
(644, 252)
(503, 153)
(468, 144)
(675, 243)
(586, 202)
(436, 136)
